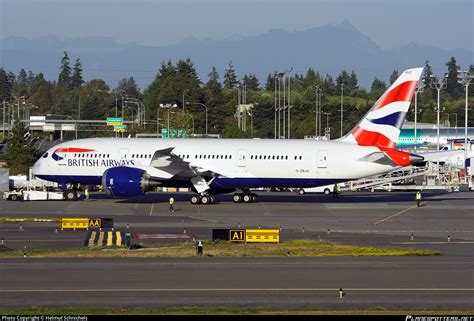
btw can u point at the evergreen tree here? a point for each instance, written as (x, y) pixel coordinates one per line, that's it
(76, 78)
(215, 103)
(20, 87)
(270, 83)
(11, 78)
(328, 86)
(30, 78)
(230, 78)
(128, 87)
(22, 77)
(452, 86)
(4, 87)
(393, 76)
(353, 83)
(377, 88)
(213, 78)
(251, 82)
(20, 154)
(310, 79)
(427, 73)
(343, 78)
(64, 78)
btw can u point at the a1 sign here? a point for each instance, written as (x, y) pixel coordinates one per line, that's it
(237, 235)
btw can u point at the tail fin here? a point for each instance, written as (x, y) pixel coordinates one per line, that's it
(380, 127)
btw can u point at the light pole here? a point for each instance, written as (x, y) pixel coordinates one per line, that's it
(342, 107)
(320, 106)
(289, 101)
(168, 106)
(279, 104)
(465, 78)
(316, 112)
(205, 107)
(419, 89)
(184, 101)
(327, 131)
(192, 118)
(438, 85)
(275, 104)
(455, 124)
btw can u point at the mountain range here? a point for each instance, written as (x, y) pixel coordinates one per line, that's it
(328, 49)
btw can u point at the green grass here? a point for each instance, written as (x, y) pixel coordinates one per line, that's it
(298, 248)
(28, 219)
(193, 310)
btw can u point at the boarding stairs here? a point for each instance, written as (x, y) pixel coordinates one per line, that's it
(401, 175)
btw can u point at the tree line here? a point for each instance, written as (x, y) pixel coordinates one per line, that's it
(178, 83)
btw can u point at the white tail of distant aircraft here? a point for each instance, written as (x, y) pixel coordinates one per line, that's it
(128, 167)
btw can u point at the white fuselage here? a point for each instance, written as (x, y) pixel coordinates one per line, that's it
(235, 163)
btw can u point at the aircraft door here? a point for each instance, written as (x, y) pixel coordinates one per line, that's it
(322, 159)
(241, 155)
(123, 152)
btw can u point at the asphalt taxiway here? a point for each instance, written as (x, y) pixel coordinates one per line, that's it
(380, 219)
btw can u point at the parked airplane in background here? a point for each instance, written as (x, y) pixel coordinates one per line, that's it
(428, 136)
(128, 167)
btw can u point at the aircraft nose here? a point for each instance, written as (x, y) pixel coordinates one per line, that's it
(35, 170)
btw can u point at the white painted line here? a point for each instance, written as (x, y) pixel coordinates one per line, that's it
(151, 209)
(231, 289)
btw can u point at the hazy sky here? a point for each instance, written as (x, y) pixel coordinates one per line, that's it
(446, 24)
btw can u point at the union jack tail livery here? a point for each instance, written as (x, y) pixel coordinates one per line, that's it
(380, 127)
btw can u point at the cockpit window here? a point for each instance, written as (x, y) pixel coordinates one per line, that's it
(45, 155)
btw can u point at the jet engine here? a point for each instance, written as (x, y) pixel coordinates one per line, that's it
(123, 181)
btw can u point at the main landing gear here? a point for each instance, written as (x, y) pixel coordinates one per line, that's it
(244, 197)
(203, 199)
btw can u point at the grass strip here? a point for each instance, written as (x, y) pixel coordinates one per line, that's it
(298, 248)
(28, 219)
(193, 310)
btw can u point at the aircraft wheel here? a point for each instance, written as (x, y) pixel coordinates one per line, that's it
(70, 195)
(195, 199)
(237, 198)
(301, 191)
(213, 199)
(205, 199)
(247, 198)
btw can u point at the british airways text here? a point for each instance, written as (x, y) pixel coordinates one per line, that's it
(98, 162)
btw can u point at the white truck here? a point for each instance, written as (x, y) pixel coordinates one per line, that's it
(33, 195)
(327, 189)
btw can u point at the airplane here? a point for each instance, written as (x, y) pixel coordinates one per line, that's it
(127, 167)
(427, 137)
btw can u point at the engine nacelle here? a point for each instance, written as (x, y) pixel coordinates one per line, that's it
(123, 181)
